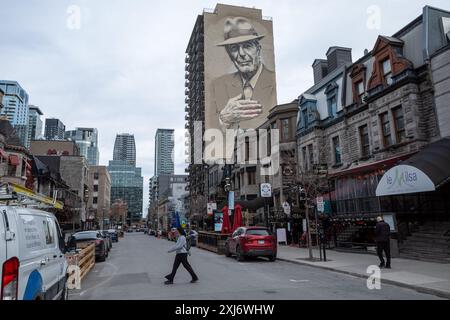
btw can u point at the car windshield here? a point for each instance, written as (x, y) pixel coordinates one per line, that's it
(257, 232)
(85, 235)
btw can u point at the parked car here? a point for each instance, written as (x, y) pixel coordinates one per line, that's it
(114, 235)
(32, 261)
(105, 234)
(251, 242)
(101, 251)
(129, 230)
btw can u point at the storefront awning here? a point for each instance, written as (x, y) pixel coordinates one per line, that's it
(424, 172)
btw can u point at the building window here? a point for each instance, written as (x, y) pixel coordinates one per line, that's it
(305, 118)
(332, 106)
(96, 188)
(95, 200)
(386, 129)
(251, 178)
(310, 156)
(364, 138)
(387, 71)
(360, 90)
(337, 150)
(285, 129)
(399, 121)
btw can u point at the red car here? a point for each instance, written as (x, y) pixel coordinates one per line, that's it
(252, 242)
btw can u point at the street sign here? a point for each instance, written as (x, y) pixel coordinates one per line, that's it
(266, 190)
(212, 206)
(320, 204)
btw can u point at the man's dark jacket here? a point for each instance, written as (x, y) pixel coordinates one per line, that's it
(382, 232)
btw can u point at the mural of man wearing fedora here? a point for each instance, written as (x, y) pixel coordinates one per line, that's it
(242, 99)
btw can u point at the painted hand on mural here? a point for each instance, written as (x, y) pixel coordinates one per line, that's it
(237, 110)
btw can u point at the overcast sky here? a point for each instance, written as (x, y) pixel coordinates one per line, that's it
(122, 70)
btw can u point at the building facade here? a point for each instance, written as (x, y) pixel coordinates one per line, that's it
(54, 147)
(127, 185)
(164, 151)
(54, 129)
(363, 118)
(99, 204)
(34, 124)
(15, 108)
(210, 87)
(125, 148)
(87, 141)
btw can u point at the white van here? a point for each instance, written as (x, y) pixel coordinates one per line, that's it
(32, 261)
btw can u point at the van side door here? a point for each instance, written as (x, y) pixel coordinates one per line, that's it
(52, 267)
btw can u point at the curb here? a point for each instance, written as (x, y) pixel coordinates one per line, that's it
(435, 292)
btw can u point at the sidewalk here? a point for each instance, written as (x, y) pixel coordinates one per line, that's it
(427, 277)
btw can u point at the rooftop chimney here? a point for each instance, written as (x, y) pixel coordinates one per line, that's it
(320, 68)
(337, 57)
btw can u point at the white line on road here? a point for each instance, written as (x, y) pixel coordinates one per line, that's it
(292, 280)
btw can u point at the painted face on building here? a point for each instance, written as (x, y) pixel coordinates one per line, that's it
(246, 56)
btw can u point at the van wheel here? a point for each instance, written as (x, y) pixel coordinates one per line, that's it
(272, 258)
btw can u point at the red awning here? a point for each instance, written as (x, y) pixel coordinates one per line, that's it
(383, 164)
(14, 160)
(3, 154)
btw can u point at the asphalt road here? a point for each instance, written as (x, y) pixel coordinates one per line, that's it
(137, 265)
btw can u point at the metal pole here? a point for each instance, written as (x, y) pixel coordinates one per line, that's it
(309, 231)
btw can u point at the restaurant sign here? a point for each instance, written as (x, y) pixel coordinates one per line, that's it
(404, 179)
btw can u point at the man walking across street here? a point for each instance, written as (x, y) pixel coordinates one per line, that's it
(382, 238)
(181, 257)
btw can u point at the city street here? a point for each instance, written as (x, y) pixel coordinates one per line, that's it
(137, 265)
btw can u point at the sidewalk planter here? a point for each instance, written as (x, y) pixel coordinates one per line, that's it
(212, 241)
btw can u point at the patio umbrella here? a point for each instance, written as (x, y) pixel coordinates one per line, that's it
(226, 227)
(237, 221)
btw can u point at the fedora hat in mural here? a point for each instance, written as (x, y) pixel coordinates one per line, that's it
(239, 30)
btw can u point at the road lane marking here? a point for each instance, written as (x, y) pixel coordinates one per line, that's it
(296, 281)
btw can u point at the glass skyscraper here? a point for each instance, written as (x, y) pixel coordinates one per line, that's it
(34, 123)
(54, 129)
(127, 184)
(16, 109)
(87, 140)
(164, 151)
(125, 148)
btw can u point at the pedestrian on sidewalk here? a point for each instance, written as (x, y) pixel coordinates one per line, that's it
(383, 238)
(181, 257)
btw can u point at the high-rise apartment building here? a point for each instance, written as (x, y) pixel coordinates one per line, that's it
(15, 108)
(87, 140)
(54, 129)
(125, 148)
(164, 151)
(215, 77)
(34, 123)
